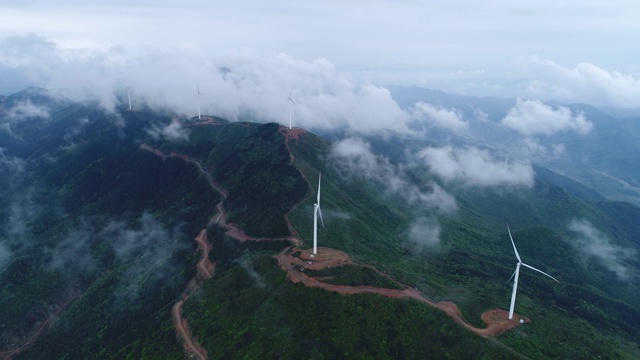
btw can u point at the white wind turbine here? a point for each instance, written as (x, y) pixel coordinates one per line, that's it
(316, 211)
(129, 95)
(290, 102)
(198, 88)
(517, 273)
(506, 160)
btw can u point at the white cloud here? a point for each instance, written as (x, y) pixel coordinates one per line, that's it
(443, 118)
(10, 165)
(25, 110)
(235, 85)
(532, 117)
(356, 157)
(585, 82)
(475, 167)
(424, 232)
(594, 243)
(172, 131)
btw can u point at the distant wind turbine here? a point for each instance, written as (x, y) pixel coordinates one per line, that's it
(316, 211)
(506, 160)
(129, 95)
(198, 88)
(290, 102)
(517, 273)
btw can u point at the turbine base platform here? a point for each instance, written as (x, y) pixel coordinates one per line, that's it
(325, 257)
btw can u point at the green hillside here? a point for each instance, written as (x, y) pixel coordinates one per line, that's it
(91, 219)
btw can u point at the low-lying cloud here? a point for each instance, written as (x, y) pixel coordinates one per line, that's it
(424, 232)
(26, 110)
(238, 86)
(584, 82)
(533, 117)
(173, 131)
(595, 244)
(449, 119)
(147, 250)
(356, 157)
(477, 167)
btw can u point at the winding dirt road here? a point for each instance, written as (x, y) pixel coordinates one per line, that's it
(42, 328)
(496, 319)
(206, 270)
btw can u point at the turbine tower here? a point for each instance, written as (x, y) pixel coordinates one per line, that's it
(517, 273)
(290, 102)
(316, 211)
(129, 95)
(198, 88)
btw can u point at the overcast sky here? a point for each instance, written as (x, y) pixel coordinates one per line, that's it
(534, 49)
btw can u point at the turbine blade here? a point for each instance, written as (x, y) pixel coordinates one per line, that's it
(511, 277)
(514, 244)
(540, 271)
(293, 102)
(320, 213)
(319, 178)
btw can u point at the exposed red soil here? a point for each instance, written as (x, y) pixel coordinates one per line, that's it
(40, 329)
(496, 319)
(205, 120)
(290, 134)
(206, 270)
(190, 345)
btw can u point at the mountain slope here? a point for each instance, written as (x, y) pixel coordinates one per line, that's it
(115, 224)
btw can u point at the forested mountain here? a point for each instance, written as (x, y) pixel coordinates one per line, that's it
(99, 210)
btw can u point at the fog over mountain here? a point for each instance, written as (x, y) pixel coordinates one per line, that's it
(433, 126)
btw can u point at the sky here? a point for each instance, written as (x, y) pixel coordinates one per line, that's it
(537, 50)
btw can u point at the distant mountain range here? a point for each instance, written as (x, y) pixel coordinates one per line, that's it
(604, 159)
(99, 211)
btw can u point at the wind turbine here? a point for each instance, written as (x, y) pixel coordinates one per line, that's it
(290, 102)
(316, 211)
(129, 95)
(517, 273)
(198, 88)
(506, 160)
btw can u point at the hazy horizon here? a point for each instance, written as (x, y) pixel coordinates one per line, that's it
(572, 51)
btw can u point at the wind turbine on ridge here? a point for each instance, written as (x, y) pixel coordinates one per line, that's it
(316, 211)
(129, 95)
(198, 88)
(290, 102)
(517, 273)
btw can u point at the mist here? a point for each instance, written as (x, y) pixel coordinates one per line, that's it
(594, 244)
(476, 167)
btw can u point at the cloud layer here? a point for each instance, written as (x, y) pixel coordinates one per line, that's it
(238, 86)
(532, 117)
(477, 167)
(355, 156)
(448, 119)
(597, 245)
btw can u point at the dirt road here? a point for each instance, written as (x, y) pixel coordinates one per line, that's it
(42, 328)
(496, 319)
